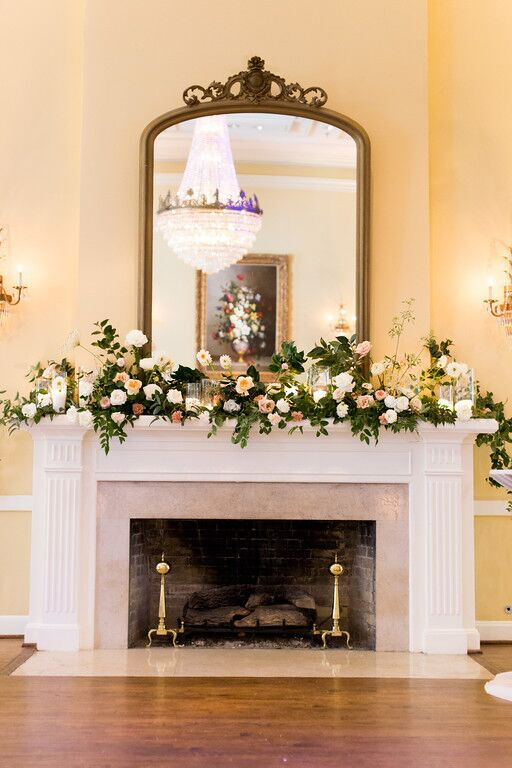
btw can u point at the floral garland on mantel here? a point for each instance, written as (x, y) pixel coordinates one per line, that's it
(394, 393)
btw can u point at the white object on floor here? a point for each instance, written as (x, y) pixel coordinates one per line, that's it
(239, 662)
(501, 686)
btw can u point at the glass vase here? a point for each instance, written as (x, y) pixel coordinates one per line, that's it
(319, 381)
(445, 397)
(465, 387)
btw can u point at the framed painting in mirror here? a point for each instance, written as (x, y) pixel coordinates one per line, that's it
(244, 310)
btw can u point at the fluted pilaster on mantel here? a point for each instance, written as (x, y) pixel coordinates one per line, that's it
(435, 463)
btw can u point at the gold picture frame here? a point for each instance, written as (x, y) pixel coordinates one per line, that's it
(282, 264)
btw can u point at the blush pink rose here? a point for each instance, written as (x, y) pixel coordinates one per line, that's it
(138, 409)
(266, 405)
(364, 401)
(363, 348)
(383, 418)
(176, 417)
(380, 394)
(297, 415)
(105, 402)
(123, 376)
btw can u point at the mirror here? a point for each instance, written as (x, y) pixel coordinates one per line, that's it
(255, 228)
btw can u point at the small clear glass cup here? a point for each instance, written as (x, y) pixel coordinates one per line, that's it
(465, 387)
(59, 388)
(209, 389)
(319, 381)
(445, 397)
(193, 396)
(43, 393)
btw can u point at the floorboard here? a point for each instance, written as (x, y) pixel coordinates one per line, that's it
(495, 657)
(217, 722)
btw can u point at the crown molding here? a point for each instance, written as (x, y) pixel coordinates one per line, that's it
(255, 181)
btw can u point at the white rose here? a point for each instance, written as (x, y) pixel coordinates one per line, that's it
(135, 338)
(464, 410)
(225, 362)
(150, 390)
(391, 416)
(174, 396)
(344, 381)
(442, 361)
(283, 406)
(120, 362)
(147, 363)
(342, 410)
(415, 404)
(378, 368)
(319, 394)
(29, 410)
(407, 391)
(118, 397)
(84, 389)
(274, 418)
(291, 391)
(118, 418)
(338, 394)
(85, 419)
(231, 406)
(72, 414)
(389, 401)
(401, 404)
(44, 401)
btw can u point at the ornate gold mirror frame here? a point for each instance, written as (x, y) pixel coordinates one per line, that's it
(255, 90)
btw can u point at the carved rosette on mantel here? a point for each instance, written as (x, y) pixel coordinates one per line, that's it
(436, 465)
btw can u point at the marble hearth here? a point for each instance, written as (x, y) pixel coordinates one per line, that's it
(417, 488)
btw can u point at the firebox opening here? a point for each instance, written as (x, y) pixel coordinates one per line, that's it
(246, 578)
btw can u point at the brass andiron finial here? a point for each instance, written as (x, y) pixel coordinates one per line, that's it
(163, 569)
(336, 569)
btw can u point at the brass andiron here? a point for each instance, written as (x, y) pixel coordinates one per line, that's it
(336, 569)
(163, 569)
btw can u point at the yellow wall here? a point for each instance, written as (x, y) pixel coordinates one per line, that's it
(82, 79)
(14, 562)
(493, 561)
(470, 215)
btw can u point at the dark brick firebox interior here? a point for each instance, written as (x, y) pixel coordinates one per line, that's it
(205, 553)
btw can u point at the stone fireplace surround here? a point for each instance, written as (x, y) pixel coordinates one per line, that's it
(417, 487)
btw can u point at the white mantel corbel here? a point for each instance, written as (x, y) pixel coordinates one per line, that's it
(436, 464)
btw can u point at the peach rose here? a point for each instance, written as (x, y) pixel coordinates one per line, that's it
(176, 417)
(380, 394)
(138, 409)
(105, 402)
(122, 376)
(383, 418)
(266, 405)
(363, 348)
(364, 401)
(258, 398)
(297, 415)
(132, 386)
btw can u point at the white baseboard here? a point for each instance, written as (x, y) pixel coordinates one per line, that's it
(15, 503)
(13, 625)
(495, 630)
(490, 508)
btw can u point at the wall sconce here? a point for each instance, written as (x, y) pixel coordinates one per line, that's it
(502, 311)
(17, 292)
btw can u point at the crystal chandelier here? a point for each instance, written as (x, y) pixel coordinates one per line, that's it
(210, 224)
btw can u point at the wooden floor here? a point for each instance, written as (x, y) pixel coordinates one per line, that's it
(496, 657)
(249, 723)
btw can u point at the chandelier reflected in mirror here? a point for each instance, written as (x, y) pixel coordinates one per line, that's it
(210, 223)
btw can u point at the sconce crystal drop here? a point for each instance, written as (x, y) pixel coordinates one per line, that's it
(210, 224)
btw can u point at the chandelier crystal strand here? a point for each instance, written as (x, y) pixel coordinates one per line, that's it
(210, 224)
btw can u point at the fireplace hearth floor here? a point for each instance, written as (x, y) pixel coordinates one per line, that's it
(247, 662)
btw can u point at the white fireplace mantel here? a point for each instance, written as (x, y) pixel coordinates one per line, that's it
(436, 464)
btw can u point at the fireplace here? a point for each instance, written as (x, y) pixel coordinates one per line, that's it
(416, 488)
(252, 578)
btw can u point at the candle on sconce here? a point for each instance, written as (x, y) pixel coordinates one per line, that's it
(490, 284)
(20, 275)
